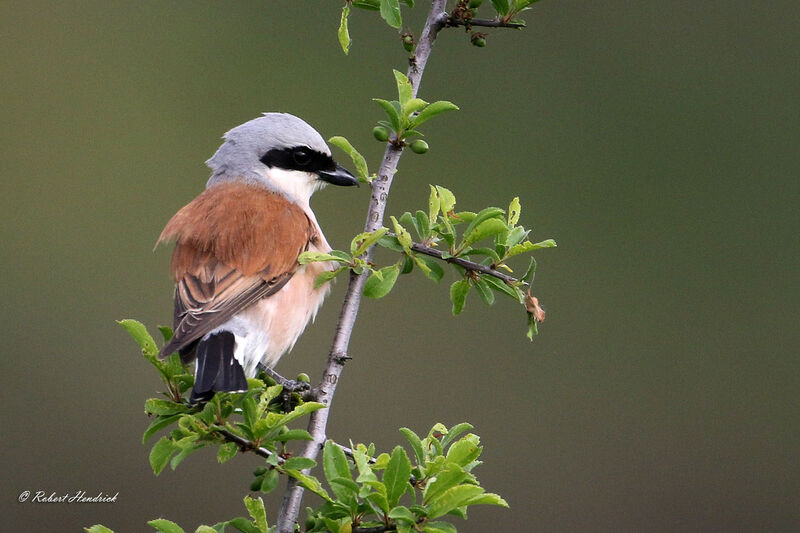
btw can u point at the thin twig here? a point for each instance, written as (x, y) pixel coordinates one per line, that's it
(484, 23)
(317, 424)
(246, 444)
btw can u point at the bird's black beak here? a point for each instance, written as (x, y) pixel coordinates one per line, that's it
(338, 176)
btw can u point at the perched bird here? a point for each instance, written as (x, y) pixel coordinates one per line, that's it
(241, 298)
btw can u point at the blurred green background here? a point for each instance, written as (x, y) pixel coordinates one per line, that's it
(655, 141)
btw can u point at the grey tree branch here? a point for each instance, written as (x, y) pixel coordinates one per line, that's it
(290, 507)
(484, 23)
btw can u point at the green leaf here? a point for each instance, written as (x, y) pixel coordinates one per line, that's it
(256, 509)
(435, 270)
(433, 205)
(488, 498)
(390, 12)
(299, 463)
(423, 225)
(344, 33)
(244, 525)
(484, 291)
(431, 111)
(160, 454)
(226, 452)
(465, 450)
(270, 481)
(515, 236)
(396, 476)
(159, 423)
(358, 160)
(205, 529)
(165, 526)
(533, 328)
(404, 89)
(97, 528)
(437, 526)
(326, 275)
(141, 336)
(166, 332)
(294, 434)
(501, 6)
(371, 5)
(485, 214)
(416, 444)
(403, 237)
(514, 210)
(455, 431)
(458, 295)
(390, 242)
(450, 476)
(409, 220)
(391, 112)
(334, 463)
(315, 257)
(528, 277)
(403, 514)
(447, 199)
(309, 482)
(413, 105)
(362, 241)
(485, 229)
(502, 287)
(380, 283)
(156, 406)
(452, 498)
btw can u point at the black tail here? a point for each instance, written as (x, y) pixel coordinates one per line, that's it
(217, 370)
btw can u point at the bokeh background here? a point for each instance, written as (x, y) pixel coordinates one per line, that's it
(655, 141)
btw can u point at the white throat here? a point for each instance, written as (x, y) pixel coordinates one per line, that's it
(298, 186)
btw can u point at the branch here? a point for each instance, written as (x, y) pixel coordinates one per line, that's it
(317, 424)
(245, 444)
(453, 22)
(464, 263)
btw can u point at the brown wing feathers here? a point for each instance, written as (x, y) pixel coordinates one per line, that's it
(235, 244)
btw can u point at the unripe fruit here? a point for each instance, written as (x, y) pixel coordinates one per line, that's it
(303, 378)
(480, 42)
(419, 146)
(408, 43)
(260, 471)
(380, 133)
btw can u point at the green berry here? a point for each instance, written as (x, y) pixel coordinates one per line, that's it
(380, 133)
(480, 42)
(408, 43)
(303, 378)
(419, 146)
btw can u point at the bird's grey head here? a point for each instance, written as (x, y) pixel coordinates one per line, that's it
(279, 151)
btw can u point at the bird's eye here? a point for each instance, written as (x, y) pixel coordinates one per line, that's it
(301, 157)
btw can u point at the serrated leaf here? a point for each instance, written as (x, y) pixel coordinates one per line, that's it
(484, 291)
(514, 210)
(465, 450)
(433, 205)
(159, 423)
(378, 286)
(396, 476)
(452, 499)
(390, 12)
(358, 160)
(431, 111)
(160, 454)
(502, 287)
(391, 112)
(404, 89)
(141, 336)
(334, 462)
(299, 463)
(362, 241)
(447, 200)
(165, 526)
(344, 33)
(435, 270)
(488, 498)
(255, 506)
(485, 229)
(226, 452)
(458, 295)
(326, 275)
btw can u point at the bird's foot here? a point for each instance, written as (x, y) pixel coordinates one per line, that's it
(289, 385)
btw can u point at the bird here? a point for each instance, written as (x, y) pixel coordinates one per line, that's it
(241, 297)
